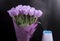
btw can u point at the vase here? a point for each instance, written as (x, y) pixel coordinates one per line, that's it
(24, 33)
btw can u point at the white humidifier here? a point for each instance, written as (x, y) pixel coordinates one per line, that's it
(47, 35)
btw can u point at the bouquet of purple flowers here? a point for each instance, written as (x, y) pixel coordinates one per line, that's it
(25, 20)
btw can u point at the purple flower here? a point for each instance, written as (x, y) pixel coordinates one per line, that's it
(12, 12)
(31, 11)
(38, 13)
(26, 9)
(19, 9)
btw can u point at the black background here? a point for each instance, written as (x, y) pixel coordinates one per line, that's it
(49, 8)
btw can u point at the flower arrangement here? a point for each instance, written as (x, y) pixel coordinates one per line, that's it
(25, 20)
(25, 15)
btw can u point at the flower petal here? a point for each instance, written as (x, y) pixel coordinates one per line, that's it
(19, 9)
(26, 9)
(40, 13)
(31, 12)
(36, 13)
(11, 12)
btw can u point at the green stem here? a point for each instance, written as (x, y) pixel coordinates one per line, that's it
(26, 19)
(22, 20)
(30, 20)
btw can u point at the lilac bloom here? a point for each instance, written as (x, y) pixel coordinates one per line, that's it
(26, 9)
(31, 11)
(40, 13)
(19, 9)
(12, 12)
(16, 11)
(36, 14)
